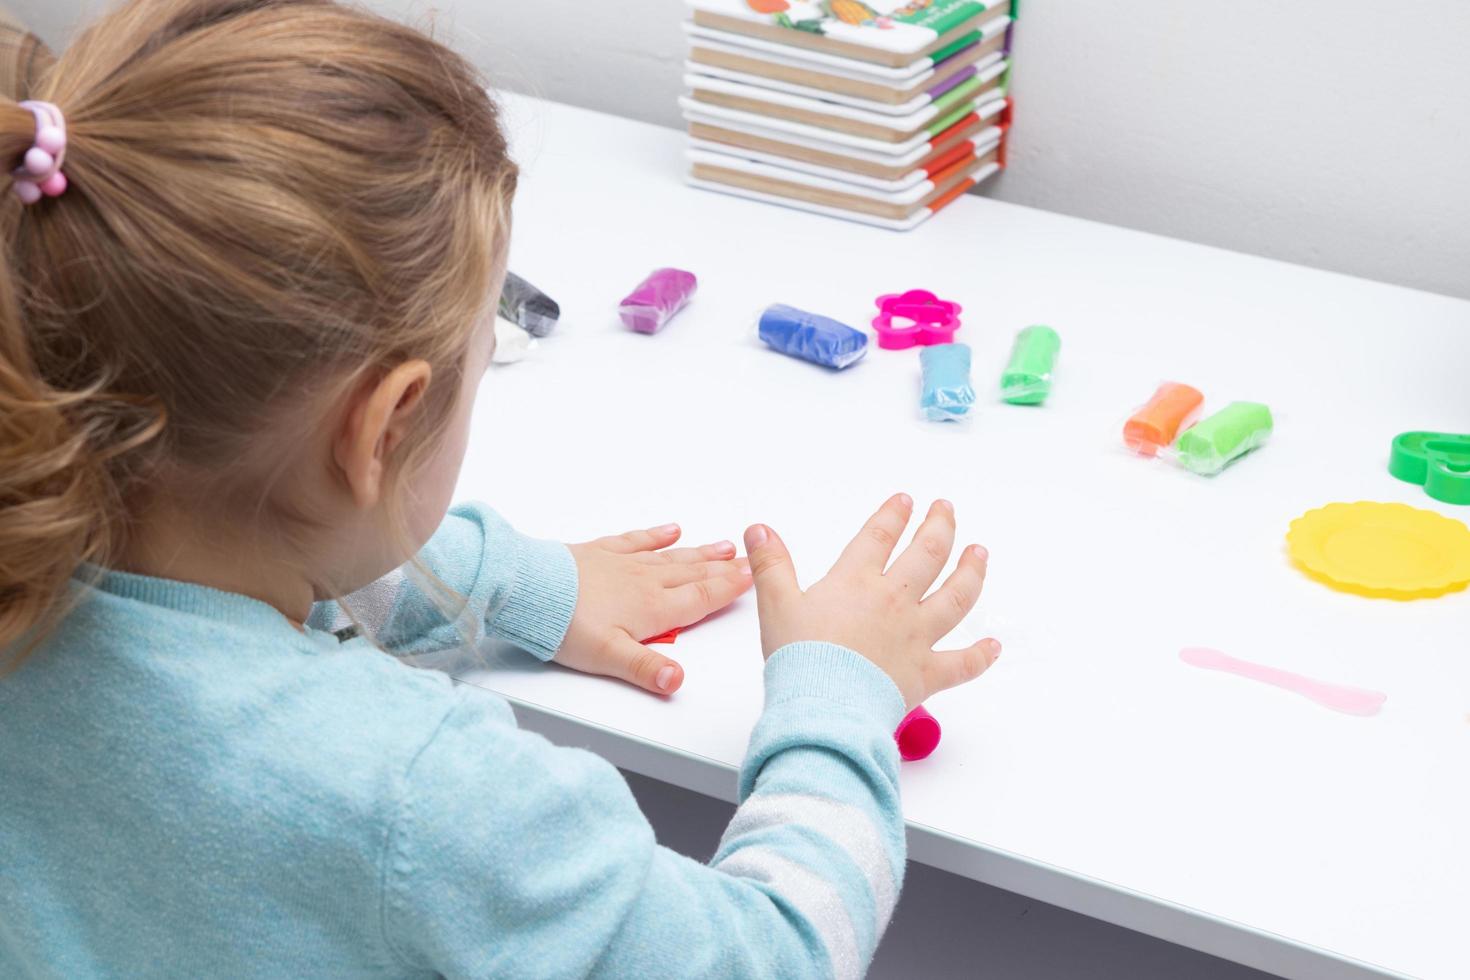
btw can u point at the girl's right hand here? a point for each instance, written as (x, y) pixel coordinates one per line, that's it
(881, 615)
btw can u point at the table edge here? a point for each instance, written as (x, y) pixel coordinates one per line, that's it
(1115, 904)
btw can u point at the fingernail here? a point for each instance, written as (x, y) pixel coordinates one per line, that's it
(667, 529)
(665, 677)
(980, 552)
(906, 500)
(994, 647)
(725, 547)
(944, 504)
(756, 537)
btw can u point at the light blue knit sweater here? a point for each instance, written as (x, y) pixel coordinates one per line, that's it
(191, 787)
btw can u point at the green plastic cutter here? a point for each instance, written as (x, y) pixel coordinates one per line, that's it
(1437, 461)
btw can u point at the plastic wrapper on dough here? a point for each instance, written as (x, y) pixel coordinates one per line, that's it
(528, 307)
(1156, 424)
(814, 338)
(1212, 444)
(947, 394)
(664, 293)
(1027, 377)
(511, 342)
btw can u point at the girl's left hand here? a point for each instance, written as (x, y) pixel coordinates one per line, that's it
(628, 590)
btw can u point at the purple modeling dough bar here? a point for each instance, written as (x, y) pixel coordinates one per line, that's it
(657, 298)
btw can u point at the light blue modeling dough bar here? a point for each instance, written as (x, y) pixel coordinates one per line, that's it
(947, 394)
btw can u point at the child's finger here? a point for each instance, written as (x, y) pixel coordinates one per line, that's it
(874, 544)
(953, 600)
(683, 574)
(945, 669)
(631, 661)
(926, 555)
(634, 541)
(770, 568)
(720, 550)
(692, 602)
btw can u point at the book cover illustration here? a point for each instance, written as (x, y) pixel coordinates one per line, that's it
(887, 24)
(817, 15)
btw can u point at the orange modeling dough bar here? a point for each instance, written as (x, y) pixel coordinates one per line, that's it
(1156, 424)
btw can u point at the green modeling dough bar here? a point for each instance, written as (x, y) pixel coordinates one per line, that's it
(1027, 378)
(1437, 461)
(1235, 430)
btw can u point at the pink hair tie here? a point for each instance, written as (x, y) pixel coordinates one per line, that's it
(40, 171)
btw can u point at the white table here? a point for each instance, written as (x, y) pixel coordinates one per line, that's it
(1090, 768)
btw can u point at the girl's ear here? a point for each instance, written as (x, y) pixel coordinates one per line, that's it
(374, 426)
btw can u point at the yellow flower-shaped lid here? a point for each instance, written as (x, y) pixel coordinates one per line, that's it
(1387, 550)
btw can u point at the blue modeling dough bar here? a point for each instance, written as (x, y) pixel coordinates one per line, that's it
(811, 337)
(948, 393)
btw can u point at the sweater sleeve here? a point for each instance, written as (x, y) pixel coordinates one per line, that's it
(513, 588)
(512, 857)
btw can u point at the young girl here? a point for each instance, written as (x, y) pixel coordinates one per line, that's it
(250, 263)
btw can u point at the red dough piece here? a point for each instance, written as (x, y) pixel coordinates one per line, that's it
(917, 735)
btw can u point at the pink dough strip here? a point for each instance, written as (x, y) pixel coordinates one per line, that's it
(1348, 700)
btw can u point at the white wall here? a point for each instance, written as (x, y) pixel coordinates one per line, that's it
(1333, 133)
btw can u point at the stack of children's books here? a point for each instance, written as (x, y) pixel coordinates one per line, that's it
(881, 112)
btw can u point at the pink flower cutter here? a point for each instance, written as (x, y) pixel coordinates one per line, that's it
(917, 735)
(935, 320)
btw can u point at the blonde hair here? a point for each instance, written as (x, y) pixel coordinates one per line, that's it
(266, 197)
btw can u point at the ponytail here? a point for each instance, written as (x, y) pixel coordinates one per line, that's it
(53, 496)
(57, 496)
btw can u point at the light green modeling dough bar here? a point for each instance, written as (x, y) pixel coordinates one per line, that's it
(1027, 378)
(1228, 434)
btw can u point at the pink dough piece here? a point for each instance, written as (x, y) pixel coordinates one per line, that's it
(657, 298)
(1348, 700)
(917, 735)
